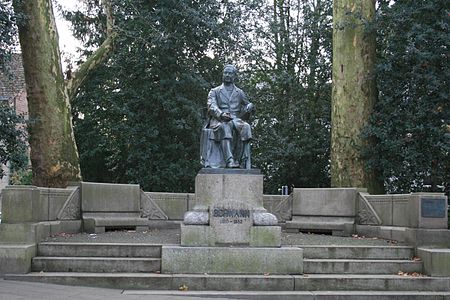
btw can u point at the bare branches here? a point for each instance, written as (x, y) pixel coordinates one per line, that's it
(98, 56)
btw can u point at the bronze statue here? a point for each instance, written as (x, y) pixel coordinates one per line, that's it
(226, 135)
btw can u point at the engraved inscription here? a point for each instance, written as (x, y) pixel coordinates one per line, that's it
(231, 215)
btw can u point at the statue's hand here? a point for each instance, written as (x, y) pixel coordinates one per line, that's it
(226, 117)
(250, 108)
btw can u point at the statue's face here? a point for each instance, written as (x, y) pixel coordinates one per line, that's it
(229, 75)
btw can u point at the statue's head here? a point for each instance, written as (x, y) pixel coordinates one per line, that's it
(229, 74)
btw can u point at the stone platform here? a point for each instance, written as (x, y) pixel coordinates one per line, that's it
(231, 260)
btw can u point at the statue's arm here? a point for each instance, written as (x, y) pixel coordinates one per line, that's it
(213, 108)
(247, 106)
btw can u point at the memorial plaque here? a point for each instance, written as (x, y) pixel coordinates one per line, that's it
(231, 222)
(433, 207)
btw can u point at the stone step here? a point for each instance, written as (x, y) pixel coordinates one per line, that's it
(99, 249)
(95, 264)
(358, 252)
(360, 266)
(154, 250)
(297, 295)
(205, 282)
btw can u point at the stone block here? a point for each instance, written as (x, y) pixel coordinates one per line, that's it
(341, 226)
(174, 205)
(231, 221)
(231, 260)
(89, 225)
(428, 237)
(399, 207)
(339, 202)
(23, 204)
(71, 209)
(24, 232)
(221, 283)
(265, 236)
(197, 235)
(382, 204)
(436, 261)
(98, 222)
(164, 224)
(72, 226)
(16, 258)
(17, 233)
(428, 210)
(279, 205)
(56, 199)
(191, 201)
(386, 232)
(245, 188)
(104, 197)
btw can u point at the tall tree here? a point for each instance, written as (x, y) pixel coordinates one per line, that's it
(354, 91)
(54, 155)
(290, 84)
(142, 108)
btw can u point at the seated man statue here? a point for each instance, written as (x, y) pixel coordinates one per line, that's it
(226, 134)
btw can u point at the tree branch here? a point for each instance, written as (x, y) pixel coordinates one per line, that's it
(97, 57)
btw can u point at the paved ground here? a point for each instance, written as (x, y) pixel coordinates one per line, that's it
(18, 290)
(172, 236)
(15, 290)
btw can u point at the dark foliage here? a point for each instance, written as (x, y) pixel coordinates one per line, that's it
(138, 118)
(12, 140)
(410, 125)
(291, 84)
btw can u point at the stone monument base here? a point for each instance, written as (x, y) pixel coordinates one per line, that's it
(203, 236)
(229, 211)
(231, 260)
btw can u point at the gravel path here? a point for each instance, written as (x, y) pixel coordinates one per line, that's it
(172, 236)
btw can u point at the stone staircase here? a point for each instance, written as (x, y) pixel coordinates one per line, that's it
(97, 258)
(358, 271)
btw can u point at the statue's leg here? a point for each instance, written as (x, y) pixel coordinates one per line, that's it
(245, 135)
(245, 158)
(228, 154)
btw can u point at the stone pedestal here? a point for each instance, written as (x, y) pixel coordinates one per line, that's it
(229, 211)
(229, 231)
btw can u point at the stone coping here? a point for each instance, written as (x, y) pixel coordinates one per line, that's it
(229, 171)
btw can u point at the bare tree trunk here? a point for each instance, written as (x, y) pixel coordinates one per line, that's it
(54, 155)
(354, 91)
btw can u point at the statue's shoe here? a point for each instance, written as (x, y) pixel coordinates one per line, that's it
(232, 164)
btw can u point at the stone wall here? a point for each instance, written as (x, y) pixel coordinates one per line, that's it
(416, 210)
(33, 204)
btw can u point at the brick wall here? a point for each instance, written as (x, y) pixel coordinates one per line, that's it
(13, 92)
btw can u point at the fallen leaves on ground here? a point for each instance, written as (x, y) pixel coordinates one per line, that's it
(355, 236)
(410, 274)
(183, 288)
(62, 234)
